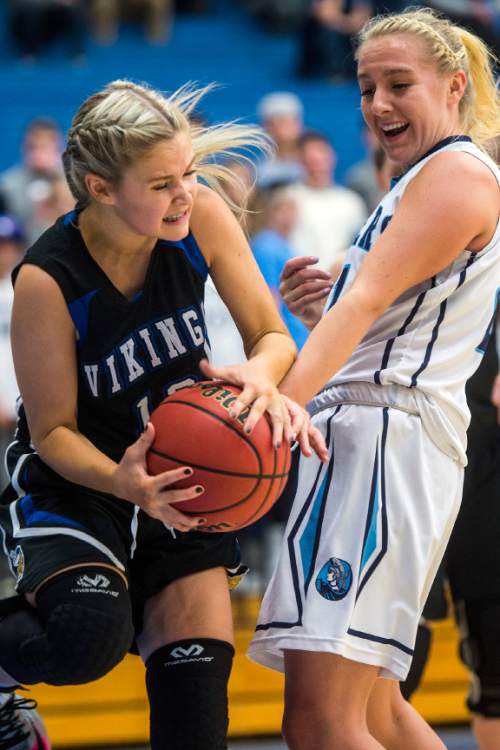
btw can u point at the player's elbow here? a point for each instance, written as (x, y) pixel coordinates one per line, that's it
(44, 438)
(369, 303)
(278, 337)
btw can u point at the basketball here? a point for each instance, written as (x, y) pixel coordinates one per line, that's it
(243, 475)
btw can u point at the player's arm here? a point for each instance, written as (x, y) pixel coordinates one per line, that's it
(268, 345)
(432, 225)
(43, 345)
(241, 285)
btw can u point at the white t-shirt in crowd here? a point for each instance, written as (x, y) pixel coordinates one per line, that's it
(226, 346)
(328, 220)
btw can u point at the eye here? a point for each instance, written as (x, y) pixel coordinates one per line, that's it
(165, 186)
(367, 92)
(191, 172)
(400, 85)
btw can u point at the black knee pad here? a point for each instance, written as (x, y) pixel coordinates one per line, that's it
(479, 624)
(187, 688)
(81, 628)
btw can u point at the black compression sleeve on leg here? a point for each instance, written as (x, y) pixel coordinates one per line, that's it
(187, 689)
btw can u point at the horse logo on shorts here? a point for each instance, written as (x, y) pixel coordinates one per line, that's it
(334, 579)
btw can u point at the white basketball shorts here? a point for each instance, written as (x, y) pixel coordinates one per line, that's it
(365, 535)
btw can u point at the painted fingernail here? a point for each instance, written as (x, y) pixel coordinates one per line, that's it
(248, 430)
(199, 489)
(277, 445)
(188, 472)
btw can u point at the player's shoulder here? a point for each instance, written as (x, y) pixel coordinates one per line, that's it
(208, 205)
(213, 223)
(456, 178)
(458, 168)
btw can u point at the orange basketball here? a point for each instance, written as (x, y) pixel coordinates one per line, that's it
(243, 475)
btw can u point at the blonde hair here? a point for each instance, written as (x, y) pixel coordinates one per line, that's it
(121, 123)
(452, 48)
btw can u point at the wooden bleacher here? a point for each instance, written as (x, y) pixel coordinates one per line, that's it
(114, 710)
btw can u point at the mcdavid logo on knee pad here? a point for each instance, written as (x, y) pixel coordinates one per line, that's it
(95, 584)
(98, 581)
(194, 650)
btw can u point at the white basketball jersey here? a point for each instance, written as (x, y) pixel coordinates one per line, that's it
(430, 339)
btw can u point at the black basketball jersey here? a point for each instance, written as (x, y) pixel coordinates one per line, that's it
(131, 353)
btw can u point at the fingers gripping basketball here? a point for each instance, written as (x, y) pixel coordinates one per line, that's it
(243, 475)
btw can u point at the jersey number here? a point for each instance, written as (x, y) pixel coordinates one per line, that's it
(143, 406)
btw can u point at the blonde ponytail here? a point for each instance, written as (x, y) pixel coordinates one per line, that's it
(481, 116)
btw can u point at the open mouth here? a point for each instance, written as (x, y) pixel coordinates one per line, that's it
(392, 131)
(176, 218)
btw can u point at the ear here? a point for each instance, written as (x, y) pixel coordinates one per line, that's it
(99, 189)
(457, 86)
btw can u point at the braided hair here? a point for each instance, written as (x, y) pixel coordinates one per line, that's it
(121, 123)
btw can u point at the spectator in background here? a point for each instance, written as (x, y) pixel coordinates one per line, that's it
(281, 116)
(271, 248)
(482, 17)
(329, 216)
(363, 177)
(325, 46)
(52, 203)
(11, 246)
(26, 184)
(277, 15)
(193, 6)
(35, 23)
(158, 16)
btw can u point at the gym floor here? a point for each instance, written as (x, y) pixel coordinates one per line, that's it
(456, 738)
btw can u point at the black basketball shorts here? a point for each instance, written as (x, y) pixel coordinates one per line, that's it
(44, 533)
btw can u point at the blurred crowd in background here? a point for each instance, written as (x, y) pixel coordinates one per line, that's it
(323, 28)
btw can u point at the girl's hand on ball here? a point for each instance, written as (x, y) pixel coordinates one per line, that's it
(132, 482)
(259, 395)
(305, 433)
